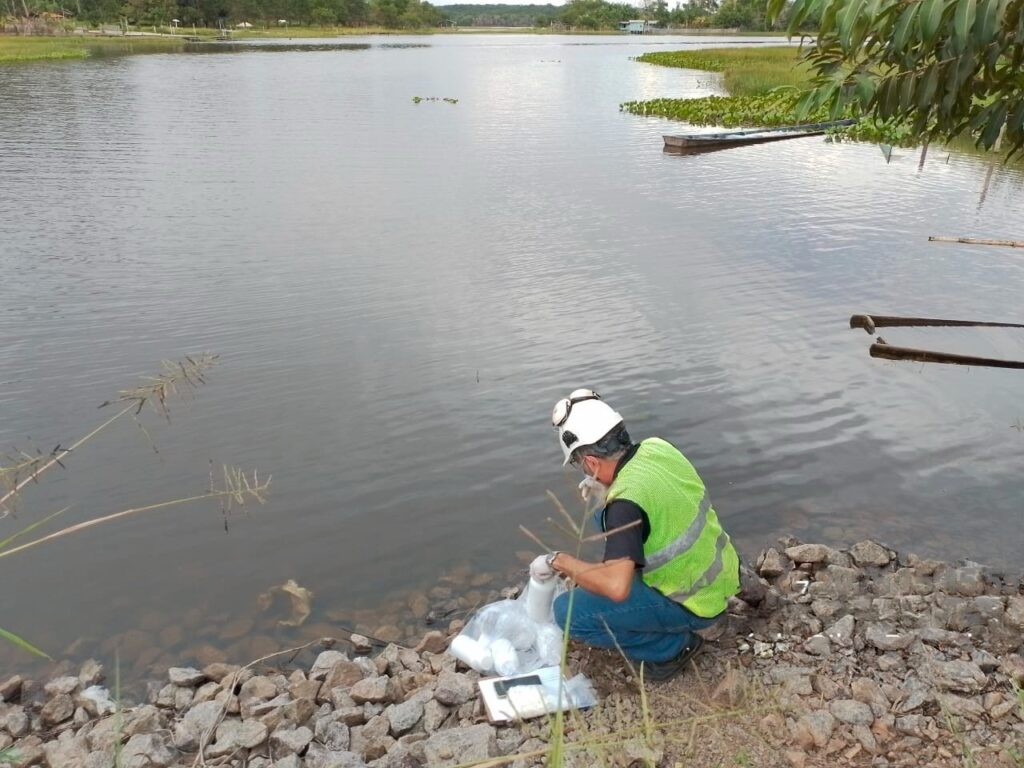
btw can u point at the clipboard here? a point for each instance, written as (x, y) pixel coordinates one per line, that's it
(522, 697)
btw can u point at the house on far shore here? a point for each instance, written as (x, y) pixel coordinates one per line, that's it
(637, 26)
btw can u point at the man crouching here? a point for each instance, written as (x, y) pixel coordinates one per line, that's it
(668, 569)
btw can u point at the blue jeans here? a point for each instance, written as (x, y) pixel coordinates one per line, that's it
(646, 625)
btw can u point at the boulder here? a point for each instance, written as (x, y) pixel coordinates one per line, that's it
(147, 750)
(957, 676)
(291, 741)
(197, 722)
(404, 717)
(1014, 614)
(58, 709)
(841, 633)
(814, 729)
(453, 689)
(235, 734)
(456, 746)
(185, 676)
(808, 553)
(59, 685)
(376, 690)
(851, 711)
(433, 642)
(869, 553)
(325, 663)
(884, 639)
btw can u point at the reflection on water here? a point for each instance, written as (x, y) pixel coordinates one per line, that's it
(400, 292)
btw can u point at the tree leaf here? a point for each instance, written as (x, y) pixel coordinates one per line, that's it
(991, 12)
(904, 27)
(963, 21)
(997, 117)
(24, 645)
(846, 18)
(932, 12)
(929, 86)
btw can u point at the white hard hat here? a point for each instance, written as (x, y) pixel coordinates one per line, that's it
(581, 419)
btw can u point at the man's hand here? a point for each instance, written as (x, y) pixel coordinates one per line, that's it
(540, 570)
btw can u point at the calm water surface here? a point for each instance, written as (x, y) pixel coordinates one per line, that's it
(399, 292)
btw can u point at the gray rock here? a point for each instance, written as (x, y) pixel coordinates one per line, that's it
(455, 746)
(957, 676)
(372, 740)
(147, 750)
(434, 715)
(814, 729)
(941, 637)
(866, 690)
(58, 709)
(14, 720)
(433, 642)
(257, 688)
(235, 734)
(808, 553)
(916, 693)
(61, 685)
(198, 721)
(66, 751)
(1015, 612)
(869, 553)
(818, 645)
(852, 712)
(376, 690)
(968, 581)
(10, 688)
(912, 725)
(185, 676)
(325, 663)
(884, 639)
(404, 717)
(288, 761)
(836, 583)
(986, 661)
(291, 740)
(772, 563)
(333, 734)
(866, 738)
(825, 609)
(841, 633)
(343, 674)
(318, 757)
(1012, 666)
(961, 706)
(360, 643)
(453, 689)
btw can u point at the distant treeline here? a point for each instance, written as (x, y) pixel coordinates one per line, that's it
(501, 15)
(393, 14)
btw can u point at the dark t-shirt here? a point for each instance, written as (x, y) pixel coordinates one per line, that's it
(629, 542)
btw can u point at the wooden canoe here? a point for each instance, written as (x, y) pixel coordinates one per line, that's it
(724, 139)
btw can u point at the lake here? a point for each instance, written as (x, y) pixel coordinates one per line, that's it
(400, 291)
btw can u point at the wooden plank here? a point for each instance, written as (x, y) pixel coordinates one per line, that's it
(890, 352)
(870, 322)
(976, 241)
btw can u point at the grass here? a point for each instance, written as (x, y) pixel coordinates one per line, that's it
(764, 86)
(746, 71)
(15, 49)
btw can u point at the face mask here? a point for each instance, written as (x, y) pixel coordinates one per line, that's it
(592, 491)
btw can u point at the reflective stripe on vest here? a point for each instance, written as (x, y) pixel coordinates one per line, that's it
(685, 541)
(709, 576)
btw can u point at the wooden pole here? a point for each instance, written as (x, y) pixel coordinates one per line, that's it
(870, 322)
(889, 352)
(976, 241)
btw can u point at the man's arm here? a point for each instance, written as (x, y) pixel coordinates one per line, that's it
(612, 579)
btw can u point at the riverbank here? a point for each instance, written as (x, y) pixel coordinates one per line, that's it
(17, 49)
(834, 657)
(764, 86)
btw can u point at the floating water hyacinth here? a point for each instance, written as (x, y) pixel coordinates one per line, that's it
(446, 99)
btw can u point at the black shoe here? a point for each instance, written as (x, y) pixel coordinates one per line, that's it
(664, 670)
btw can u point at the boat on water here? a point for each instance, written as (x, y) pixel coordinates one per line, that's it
(725, 139)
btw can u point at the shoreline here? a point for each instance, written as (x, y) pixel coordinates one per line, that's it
(861, 656)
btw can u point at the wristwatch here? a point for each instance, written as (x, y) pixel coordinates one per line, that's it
(550, 559)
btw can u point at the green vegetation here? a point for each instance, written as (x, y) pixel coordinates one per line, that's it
(768, 84)
(501, 15)
(746, 71)
(949, 68)
(18, 49)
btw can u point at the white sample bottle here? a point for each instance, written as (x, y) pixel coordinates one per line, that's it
(471, 653)
(539, 596)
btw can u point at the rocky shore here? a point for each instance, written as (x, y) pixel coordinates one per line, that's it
(834, 657)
